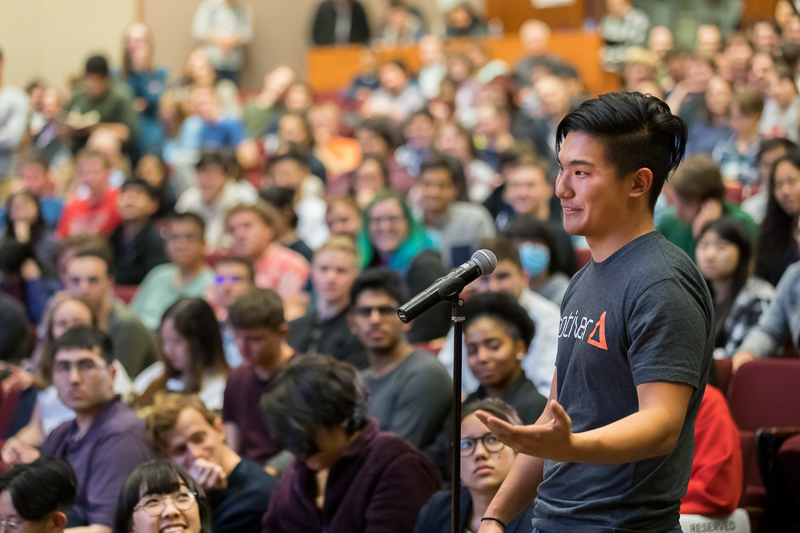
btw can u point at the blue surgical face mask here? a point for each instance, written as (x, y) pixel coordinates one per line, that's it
(535, 258)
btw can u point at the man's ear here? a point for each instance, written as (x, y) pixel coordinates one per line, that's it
(59, 521)
(283, 330)
(642, 182)
(112, 372)
(219, 426)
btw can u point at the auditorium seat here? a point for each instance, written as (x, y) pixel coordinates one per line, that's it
(582, 256)
(125, 292)
(737, 522)
(762, 394)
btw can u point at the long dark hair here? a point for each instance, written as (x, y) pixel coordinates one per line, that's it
(195, 320)
(160, 476)
(777, 229)
(38, 227)
(731, 231)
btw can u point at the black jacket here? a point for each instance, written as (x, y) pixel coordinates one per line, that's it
(323, 29)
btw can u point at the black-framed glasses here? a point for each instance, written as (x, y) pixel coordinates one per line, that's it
(490, 443)
(155, 504)
(383, 310)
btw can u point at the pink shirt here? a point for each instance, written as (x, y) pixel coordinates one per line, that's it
(282, 270)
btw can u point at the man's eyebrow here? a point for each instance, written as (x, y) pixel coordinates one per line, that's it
(576, 162)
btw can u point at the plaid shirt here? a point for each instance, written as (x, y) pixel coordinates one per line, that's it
(738, 166)
(754, 298)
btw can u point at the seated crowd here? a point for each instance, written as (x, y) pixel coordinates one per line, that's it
(198, 290)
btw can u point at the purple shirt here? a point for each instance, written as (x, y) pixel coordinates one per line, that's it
(377, 485)
(103, 458)
(242, 406)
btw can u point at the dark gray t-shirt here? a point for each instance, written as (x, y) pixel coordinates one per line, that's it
(413, 400)
(643, 315)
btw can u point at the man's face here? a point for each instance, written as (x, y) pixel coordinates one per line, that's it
(211, 179)
(250, 236)
(87, 279)
(94, 174)
(185, 243)
(288, 173)
(134, 203)
(343, 220)
(388, 227)
(507, 277)
(82, 379)
(96, 85)
(437, 190)
(393, 79)
(595, 201)
(34, 179)
(230, 280)
(333, 273)
(487, 121)
(419, 131)
(261, 347)
(527, 189)
(193, 437)
(373, 319)
(686, 209)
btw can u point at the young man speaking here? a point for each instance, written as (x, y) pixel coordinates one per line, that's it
(613, 449)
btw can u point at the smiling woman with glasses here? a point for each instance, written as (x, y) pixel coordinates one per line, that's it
(37, 496)
(485, 463)
(160, 495)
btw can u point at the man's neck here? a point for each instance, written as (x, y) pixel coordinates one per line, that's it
(497, 390)
(383, 362)
(330, 308)
(434, 218)
(96, 196)
(747, 135)
(86, 418)
(229, 459)
(132, 228)
(604, 246)
(268, 371)
(187, 273)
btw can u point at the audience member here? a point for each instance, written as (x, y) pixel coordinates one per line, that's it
(432, 66)
(325, 331)
(186, 275)
(537, 61)
(461, 21)
(199, 73)
(712, 122)
(395, 239)
(623, 26)
(400, 27)
(220, 131)
(457, 225)
(365, 81)
(35, 178)
(89, 277)
(106, 441)
(343, 218)
(769, 152)
(37, 496)
(378, 139)
(153, 169)
(453, 139)
(100, 105)
(340, 22)
(282, 201)
(14, 333)
(697, 193)
(724, 252)
(20, 278)
(254, 236)
(294, 135)
(397, 97)
(25, 224)
(540, 256)
(232, 276)
(183, 430)
(370, 177)
(14, 110)
(483, 470)
(781, 108)
(137, 245)
(554, 104)
(409, 390)
(337, 153)
(509, 276)
(356, 478)
(709, 39)
(224, 27)
(492, 133)
(193, 359)
(261, 114)
(142, 503)
(418, 132)
(213, 196)
(260, 332)
(736, 155)
(97, 213)
(497, 335)
(147, 83)
(777, 241)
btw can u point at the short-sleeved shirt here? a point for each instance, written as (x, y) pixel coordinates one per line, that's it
(86, 216)
(103, 458)
(242, 406)
(643, 315)
(240, 506)
(282, 270)
(413, 400)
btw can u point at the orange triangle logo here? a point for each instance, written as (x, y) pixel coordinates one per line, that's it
(600, 329)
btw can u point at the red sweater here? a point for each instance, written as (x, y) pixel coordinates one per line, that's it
(715, 485)
(83, 216)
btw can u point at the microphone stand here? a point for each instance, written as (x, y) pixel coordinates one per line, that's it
(450, 291)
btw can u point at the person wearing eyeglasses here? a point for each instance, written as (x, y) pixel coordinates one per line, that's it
(186, 275)
(160, 496)
(410, 391)
(233, 275)
(485, 463)
(36, 497)
(106, 441)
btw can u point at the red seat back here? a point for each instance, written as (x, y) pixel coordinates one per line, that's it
(764, 393)
(724, 373)
(125, 292)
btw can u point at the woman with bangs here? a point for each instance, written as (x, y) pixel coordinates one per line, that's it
(395, 239)
(161, 497)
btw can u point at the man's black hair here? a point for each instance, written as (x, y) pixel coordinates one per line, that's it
(85, 338)
(97, 65)
(637, 131)
(103, 253)
(212, 157)
(454, 167)
(504, 309)
(379, 279)
(767, 145)
(290, 153)
(188, 216)
(41, 487)
(143, 184)
(281, 198)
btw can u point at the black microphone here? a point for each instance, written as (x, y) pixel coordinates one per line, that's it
(445, 288)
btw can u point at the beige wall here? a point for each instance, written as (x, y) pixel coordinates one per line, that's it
(53, 38)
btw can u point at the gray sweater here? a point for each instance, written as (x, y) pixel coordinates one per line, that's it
(781, 321)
